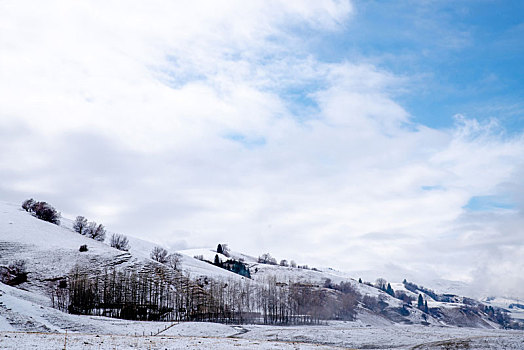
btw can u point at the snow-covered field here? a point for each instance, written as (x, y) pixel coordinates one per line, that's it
(346, 336)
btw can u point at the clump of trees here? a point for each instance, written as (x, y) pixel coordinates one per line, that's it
(267, 259)
(347, 300)
(89, 229)
(233, 265)
(422, 304)
(119, 242)
(412, 287)
(42, 210)
(404, 297)
(156, 292)
(162, 256)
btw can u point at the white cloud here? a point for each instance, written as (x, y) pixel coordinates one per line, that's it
(156, 120)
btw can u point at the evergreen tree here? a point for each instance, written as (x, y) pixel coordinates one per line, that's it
(217, 259)
(420, 303)
(219, 249)
(360, 280)
(390, 290)
(426, 306)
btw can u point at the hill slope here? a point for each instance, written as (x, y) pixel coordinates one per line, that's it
(52, 251)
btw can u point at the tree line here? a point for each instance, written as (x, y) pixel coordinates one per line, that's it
(156, 292)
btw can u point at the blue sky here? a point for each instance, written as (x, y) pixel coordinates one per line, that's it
(462, 56)
(360, 135)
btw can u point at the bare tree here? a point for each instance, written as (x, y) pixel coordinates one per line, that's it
(370, 302)
(225, 249)
(174, 260)
(119, 242)
(96, 232)
(292, 263)
(80, 224)
(159, 254)
(381, 283)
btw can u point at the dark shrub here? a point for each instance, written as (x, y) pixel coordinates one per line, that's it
(46, 212)
(27, 204)
(15, 273)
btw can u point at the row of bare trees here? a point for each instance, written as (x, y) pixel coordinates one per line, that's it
(156, 292)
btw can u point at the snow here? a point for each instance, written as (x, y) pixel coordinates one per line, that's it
(353, 335)
(51, 251)
(86, 341)
(509, 304)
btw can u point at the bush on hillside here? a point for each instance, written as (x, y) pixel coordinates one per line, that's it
(119, 242)
(42, 211)
(27, 204)
(96, 232)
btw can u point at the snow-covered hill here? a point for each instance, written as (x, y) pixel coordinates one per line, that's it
(52, 251)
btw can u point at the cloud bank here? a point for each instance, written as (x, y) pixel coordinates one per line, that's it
(212, 122)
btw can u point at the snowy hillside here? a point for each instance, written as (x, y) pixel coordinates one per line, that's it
(52, 251)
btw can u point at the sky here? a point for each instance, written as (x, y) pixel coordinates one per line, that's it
(384, 138)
